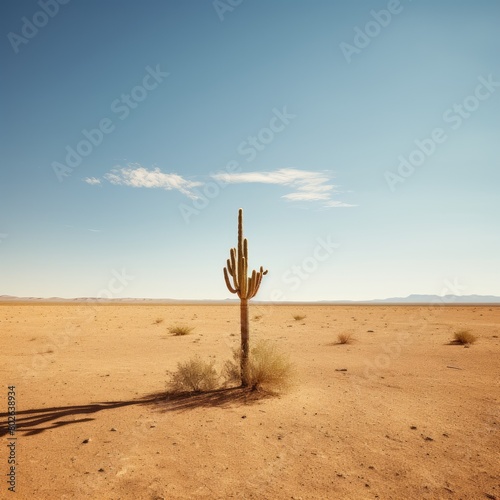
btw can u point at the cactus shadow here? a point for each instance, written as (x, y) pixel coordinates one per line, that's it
(217, 398)
(38, 420)
(35, 421)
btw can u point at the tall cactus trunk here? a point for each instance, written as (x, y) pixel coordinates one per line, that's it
(245, 335)
(238, 282)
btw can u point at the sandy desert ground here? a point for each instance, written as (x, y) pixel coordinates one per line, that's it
(410, 417)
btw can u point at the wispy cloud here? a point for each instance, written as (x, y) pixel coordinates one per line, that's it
(92, 180)
(337, 204)
(304, 184)
(135, 175)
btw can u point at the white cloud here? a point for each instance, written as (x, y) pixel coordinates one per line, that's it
(307, 196)
(284, 176)
(137, 176)
(92, 180)
(338, 204)
(305, 185)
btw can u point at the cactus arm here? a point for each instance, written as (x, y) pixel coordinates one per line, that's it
(235, 269)
(228, 283)
(244, 280)
(256, 282)
(233, 261)
(252, 282)
(259, 279)
(245, 257)
(256, 285)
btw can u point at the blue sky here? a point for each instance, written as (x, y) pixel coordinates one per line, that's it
(361, 139)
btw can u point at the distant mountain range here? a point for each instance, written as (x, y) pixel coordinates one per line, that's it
(411, 299)
(445, 299)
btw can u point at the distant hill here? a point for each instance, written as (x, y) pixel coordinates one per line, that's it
(411, 299)
(82, 300)
(445, 299)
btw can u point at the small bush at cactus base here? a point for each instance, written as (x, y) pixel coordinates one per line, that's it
(344, 338)
(194, 375)
(464, 337)
(180, 330)
(269, 369)
(298, 317)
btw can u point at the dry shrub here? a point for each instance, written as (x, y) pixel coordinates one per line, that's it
(194, 375)
(231, 370)
(298, 317)
(180, 330)
(464, 337)
(345, 338)
(269, 369)
(158, 321)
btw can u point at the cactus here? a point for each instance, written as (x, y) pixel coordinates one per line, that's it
(238, 282)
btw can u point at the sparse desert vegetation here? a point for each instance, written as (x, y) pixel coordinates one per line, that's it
(299, 317)
(180, 330)
(345, 338)
(269, 368)
(194, 375)
(158, 321)
(464, 337)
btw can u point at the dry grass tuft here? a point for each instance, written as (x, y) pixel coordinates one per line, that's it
(158, 321)
(345, 338)
(270, 370)
(257, 317)
(180, 330)
(298, 317)
(464, 337)
(194, 375)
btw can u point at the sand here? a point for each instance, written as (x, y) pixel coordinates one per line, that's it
(408, 417)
